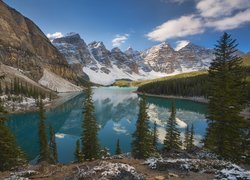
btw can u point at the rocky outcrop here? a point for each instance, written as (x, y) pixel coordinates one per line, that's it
(100, 53)
(23, 45)
(162, 58)
(123, 62)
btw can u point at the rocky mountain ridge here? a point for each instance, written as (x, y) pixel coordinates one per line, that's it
(104, 66)
(25, 47)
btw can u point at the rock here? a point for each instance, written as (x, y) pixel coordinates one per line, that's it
(173, 175)
(159, 178)
(24, 46)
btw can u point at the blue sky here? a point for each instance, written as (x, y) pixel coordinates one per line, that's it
(142, 23)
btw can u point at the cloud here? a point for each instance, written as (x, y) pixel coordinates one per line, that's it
(219, 15)
(119, 129)
(230, 22)
(181, 44)
(54, 35)
(119, 39)
(60, 136)
(181, 27)
(220, 8)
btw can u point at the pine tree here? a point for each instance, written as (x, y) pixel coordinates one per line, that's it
(11, 155)
(155, 136)
(191, 138)
(172, 138)
(118, 148)
(44, 154)
(78, 154)
(89, 136)
(226, 100)
(142, 138)
(6, 89)
(53, 146)
(186, 139)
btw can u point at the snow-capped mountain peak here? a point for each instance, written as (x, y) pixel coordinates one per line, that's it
(104, 66)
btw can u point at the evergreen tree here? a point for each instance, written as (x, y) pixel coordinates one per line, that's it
(78, 153)
(53, 146)
(226, 100)
(44, 154)
(172, 138)
(89, 136)
(142, 139)
(191, 138)
(118, 148)
(11, 156)
(6, 89)
(155, 136)
(186, 139)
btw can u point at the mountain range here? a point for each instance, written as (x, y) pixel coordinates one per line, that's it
(61, 64)
(104, 66)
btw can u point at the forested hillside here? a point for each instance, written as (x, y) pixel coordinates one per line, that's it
(188, 84)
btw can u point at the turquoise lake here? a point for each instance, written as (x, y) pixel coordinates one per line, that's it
(116, 112)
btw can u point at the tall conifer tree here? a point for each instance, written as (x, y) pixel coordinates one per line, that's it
(11, 155)
(155, 136)
(226, 100)
(78, 154)
(186, 139)
(44, 154)
(191, 138)
(89, 136)
(53, 146)
(118, 148)
(172, 138)
(142, 139)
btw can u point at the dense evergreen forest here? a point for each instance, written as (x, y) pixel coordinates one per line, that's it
(188, 85)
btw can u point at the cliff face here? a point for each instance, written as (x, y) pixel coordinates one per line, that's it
(23, 45)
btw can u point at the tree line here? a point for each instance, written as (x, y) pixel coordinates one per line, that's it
(22, 88)
(187, 86)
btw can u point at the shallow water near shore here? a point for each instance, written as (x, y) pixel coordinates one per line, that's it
(116, 111)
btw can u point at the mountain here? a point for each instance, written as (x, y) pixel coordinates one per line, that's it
(25, 47)
(105, 66)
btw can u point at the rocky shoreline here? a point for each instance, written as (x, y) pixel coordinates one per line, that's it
(30, 104)
(174, 165)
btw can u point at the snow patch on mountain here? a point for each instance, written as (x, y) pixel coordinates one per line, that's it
(105, 66)
(57, 83)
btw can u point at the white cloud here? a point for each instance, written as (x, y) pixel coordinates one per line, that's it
(221, 8)
(54, 35)
(230, 22)
(60, 136)
(181, 27)
(181, 44)
(219, 15)
(119, 129)
(119, 39)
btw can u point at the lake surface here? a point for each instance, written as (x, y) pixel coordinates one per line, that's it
(116, 112)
